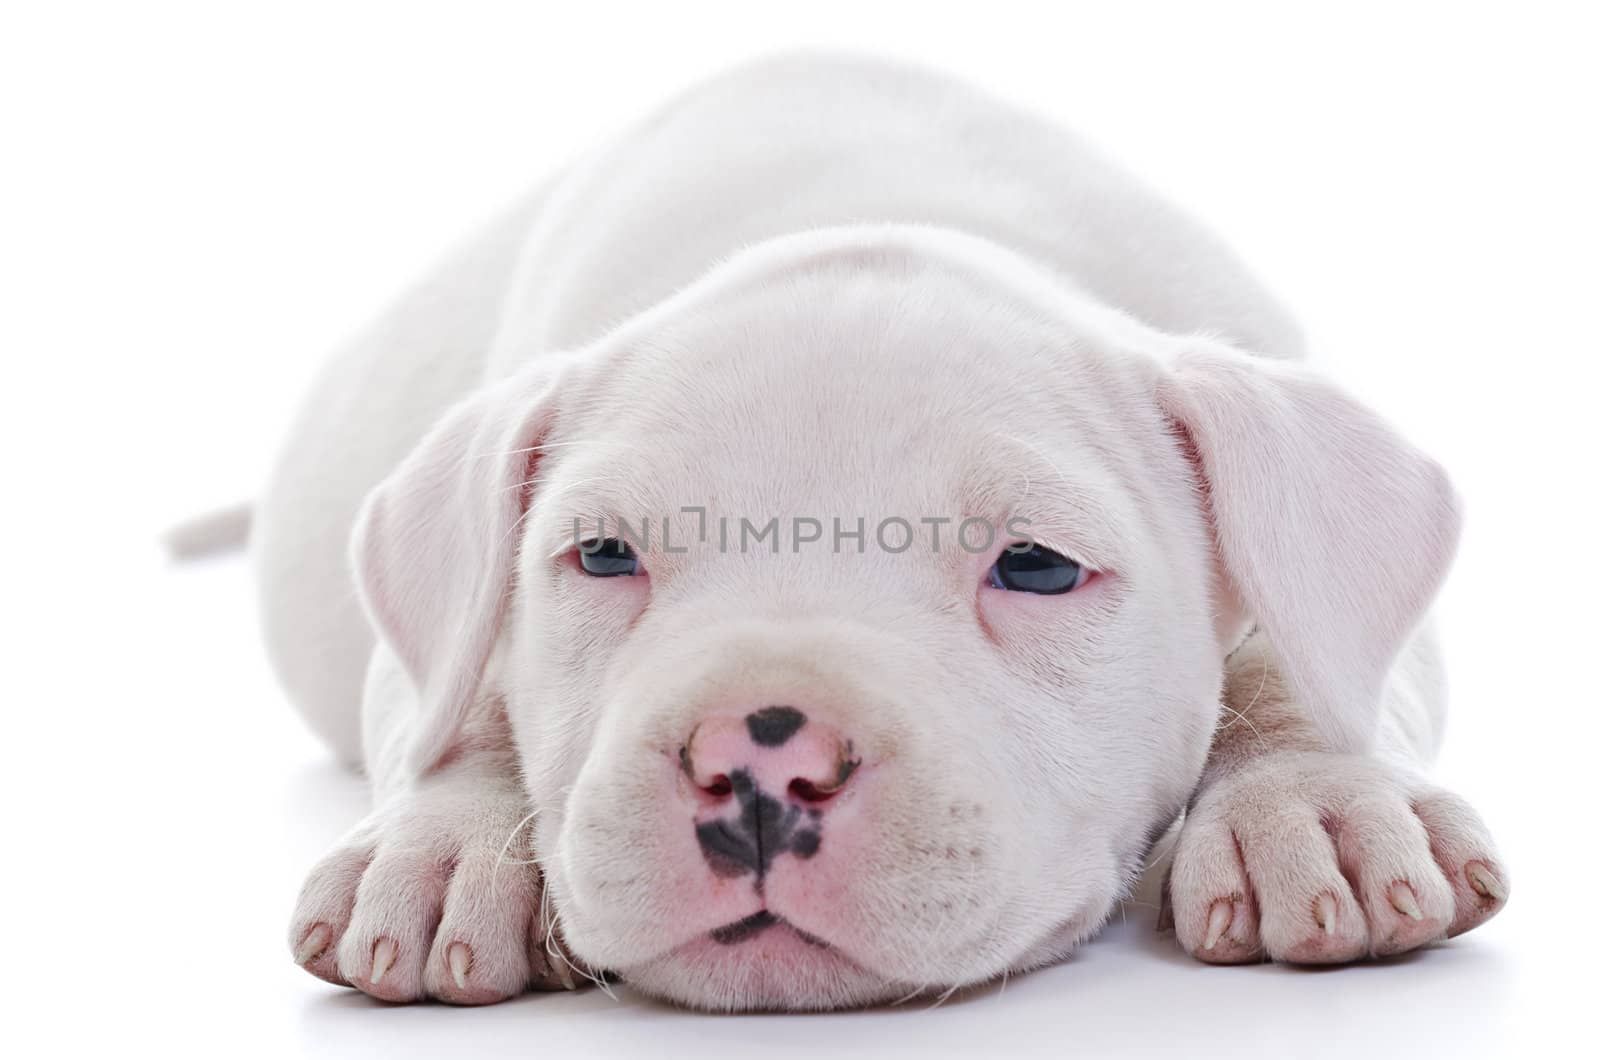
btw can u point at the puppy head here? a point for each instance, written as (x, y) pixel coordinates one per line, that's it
(913, 636)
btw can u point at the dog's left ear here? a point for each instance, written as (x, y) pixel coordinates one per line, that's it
(1335, 532)
(435, 543)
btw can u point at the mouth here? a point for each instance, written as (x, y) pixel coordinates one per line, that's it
(749, 927)
(760, 962)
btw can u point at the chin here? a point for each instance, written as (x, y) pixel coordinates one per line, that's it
(767, 965)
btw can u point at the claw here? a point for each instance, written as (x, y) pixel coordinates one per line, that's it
(313, 944)
(384, 952)
(1323, 910)
(459, 957)
(1404, 900)
(1217, 925)
(1484, 882)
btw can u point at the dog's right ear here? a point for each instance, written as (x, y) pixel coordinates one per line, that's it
(434, 546)
(1334, 531)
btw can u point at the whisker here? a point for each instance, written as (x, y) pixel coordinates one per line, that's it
(1239, 715)
(909, 996)
(1036, 451)
(942, 998)
(513, 529)
(558, 952)
(505, 847)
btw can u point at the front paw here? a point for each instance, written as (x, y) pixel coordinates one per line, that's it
(434, 896)
(1321, 858)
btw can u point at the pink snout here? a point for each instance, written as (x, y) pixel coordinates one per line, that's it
(763, 784)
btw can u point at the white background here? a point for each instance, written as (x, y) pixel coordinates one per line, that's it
(198, 202)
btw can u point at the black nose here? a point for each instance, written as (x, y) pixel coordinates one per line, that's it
(763, 829)
(772, 726)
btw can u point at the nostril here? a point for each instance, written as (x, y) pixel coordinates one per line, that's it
(719, 787)
(806, 791)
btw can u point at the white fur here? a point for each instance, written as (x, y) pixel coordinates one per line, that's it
(837, 289)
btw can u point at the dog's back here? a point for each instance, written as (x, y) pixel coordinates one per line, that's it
(812, 141)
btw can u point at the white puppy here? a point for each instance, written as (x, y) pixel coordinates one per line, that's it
(977, 526)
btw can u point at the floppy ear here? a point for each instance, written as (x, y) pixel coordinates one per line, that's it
(1335, 532)
(434, 546)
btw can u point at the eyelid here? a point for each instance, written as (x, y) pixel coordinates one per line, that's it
(1075, 554)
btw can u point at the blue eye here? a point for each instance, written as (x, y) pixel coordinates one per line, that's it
(608, 559)
(1037, 570)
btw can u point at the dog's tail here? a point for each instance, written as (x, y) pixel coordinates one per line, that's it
(222, 530)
